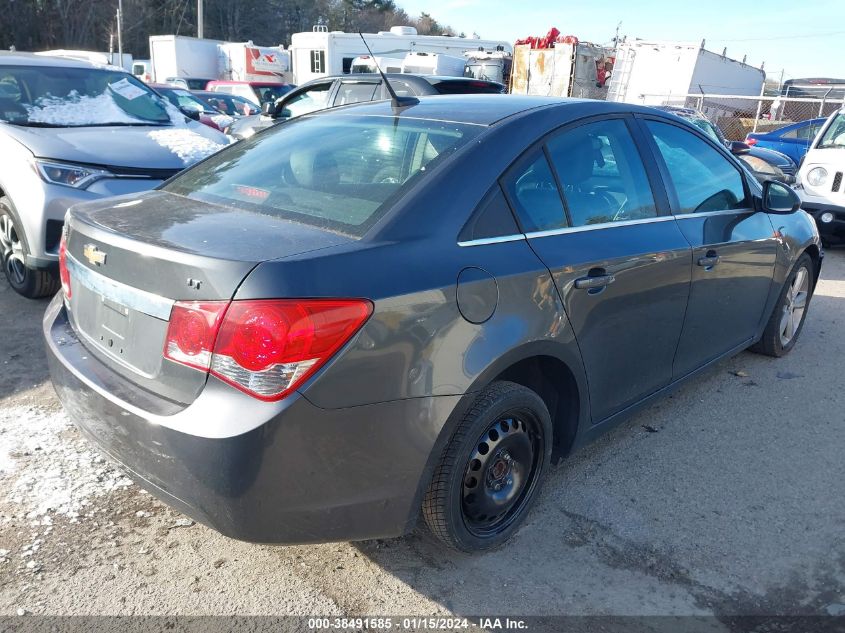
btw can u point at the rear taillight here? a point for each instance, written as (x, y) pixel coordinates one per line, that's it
(750, 141)
(265, 348)
(64, 274)
(192, 331)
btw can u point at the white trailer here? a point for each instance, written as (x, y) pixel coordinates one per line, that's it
(319, 53)
(489, 65)
(650, 73)
(434, 64)
(186, 57)
(369, 64)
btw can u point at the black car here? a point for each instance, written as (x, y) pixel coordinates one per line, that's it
(393, 309)
(765, 164)
(328, 92)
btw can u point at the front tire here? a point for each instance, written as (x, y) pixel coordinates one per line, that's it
(29, 282)
(491, 470)
(787, 320)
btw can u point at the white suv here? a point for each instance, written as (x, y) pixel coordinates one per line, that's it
(72, 131)
(822, 188)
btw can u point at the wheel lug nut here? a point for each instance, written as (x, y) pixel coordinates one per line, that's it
(510, 481)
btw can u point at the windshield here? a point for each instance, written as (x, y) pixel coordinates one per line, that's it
(705, 126)
(268, 94)
(43, 96)
(834, 135)
(184, 99)
(340, 172)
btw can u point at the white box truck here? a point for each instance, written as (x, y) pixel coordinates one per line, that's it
(650, 73)
(319, 52)
(185, 57)
(247, 62)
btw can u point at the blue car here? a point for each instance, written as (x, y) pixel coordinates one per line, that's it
(792, 140)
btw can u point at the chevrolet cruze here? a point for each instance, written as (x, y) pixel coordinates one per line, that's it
(395, 309)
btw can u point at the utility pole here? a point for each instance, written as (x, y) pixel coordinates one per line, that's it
(119, 32)
(199, 18)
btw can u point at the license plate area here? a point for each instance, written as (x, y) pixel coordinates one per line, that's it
(106, 315)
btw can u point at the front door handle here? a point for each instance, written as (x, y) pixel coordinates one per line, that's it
(709, 260)
(590, 283)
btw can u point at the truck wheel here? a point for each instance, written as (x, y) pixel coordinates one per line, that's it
(28, 282)
(787, 320)
(491, 470)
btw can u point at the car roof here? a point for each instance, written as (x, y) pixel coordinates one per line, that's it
(9, 58)
(475, 109)
(227, 82)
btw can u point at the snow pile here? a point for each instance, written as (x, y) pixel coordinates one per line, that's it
(222, 121)
(76, 109)
(55, 471)
(189, 146)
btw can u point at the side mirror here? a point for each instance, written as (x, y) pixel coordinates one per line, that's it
(191, 113)
(779, 198)
(738, 148)
(268, 108)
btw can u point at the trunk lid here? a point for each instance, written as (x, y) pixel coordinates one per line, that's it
(131, 258)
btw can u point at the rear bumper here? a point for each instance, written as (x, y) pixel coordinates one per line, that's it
(302, 475)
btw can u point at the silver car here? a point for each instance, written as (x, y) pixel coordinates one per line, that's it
(72, 131)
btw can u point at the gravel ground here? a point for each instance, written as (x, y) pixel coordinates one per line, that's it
(726, 498)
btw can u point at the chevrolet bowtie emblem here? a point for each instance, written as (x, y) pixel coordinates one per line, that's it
(94, 254)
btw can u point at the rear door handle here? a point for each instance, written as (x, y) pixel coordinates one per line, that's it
(599, 281)
(709, 260)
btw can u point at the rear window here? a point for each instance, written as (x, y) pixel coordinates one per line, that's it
(340, 172)
(467, 87)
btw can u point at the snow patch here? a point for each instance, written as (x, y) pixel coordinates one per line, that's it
(189, 146)
(76, 109)
(57, 471)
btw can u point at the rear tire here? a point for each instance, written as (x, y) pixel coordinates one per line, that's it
(29, 282)
(491, 470)
(787, 320)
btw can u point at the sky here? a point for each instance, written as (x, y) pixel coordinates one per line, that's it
(802, 38)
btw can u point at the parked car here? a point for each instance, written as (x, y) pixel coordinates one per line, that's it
(763, 170)
(193, 106)
(393, 310)
(233, 105)
(261, 91)
(188, 83)
(820, 186)
(792, 140)
(72, 131)
(779, 163)
(328, 92)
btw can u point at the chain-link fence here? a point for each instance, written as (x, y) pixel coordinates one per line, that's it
(738, 115)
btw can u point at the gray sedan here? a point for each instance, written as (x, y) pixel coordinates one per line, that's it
(395, 309)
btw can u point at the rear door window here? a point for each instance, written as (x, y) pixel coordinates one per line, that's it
(602, 174)
(534, 195)
(704, 180)
(313, 99)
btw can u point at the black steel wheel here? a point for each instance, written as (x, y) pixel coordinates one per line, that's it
(28, 282)
(491, 469)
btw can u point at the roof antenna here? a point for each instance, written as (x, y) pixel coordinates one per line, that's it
(396, 101)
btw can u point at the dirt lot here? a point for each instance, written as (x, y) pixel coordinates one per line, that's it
(726, 498)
